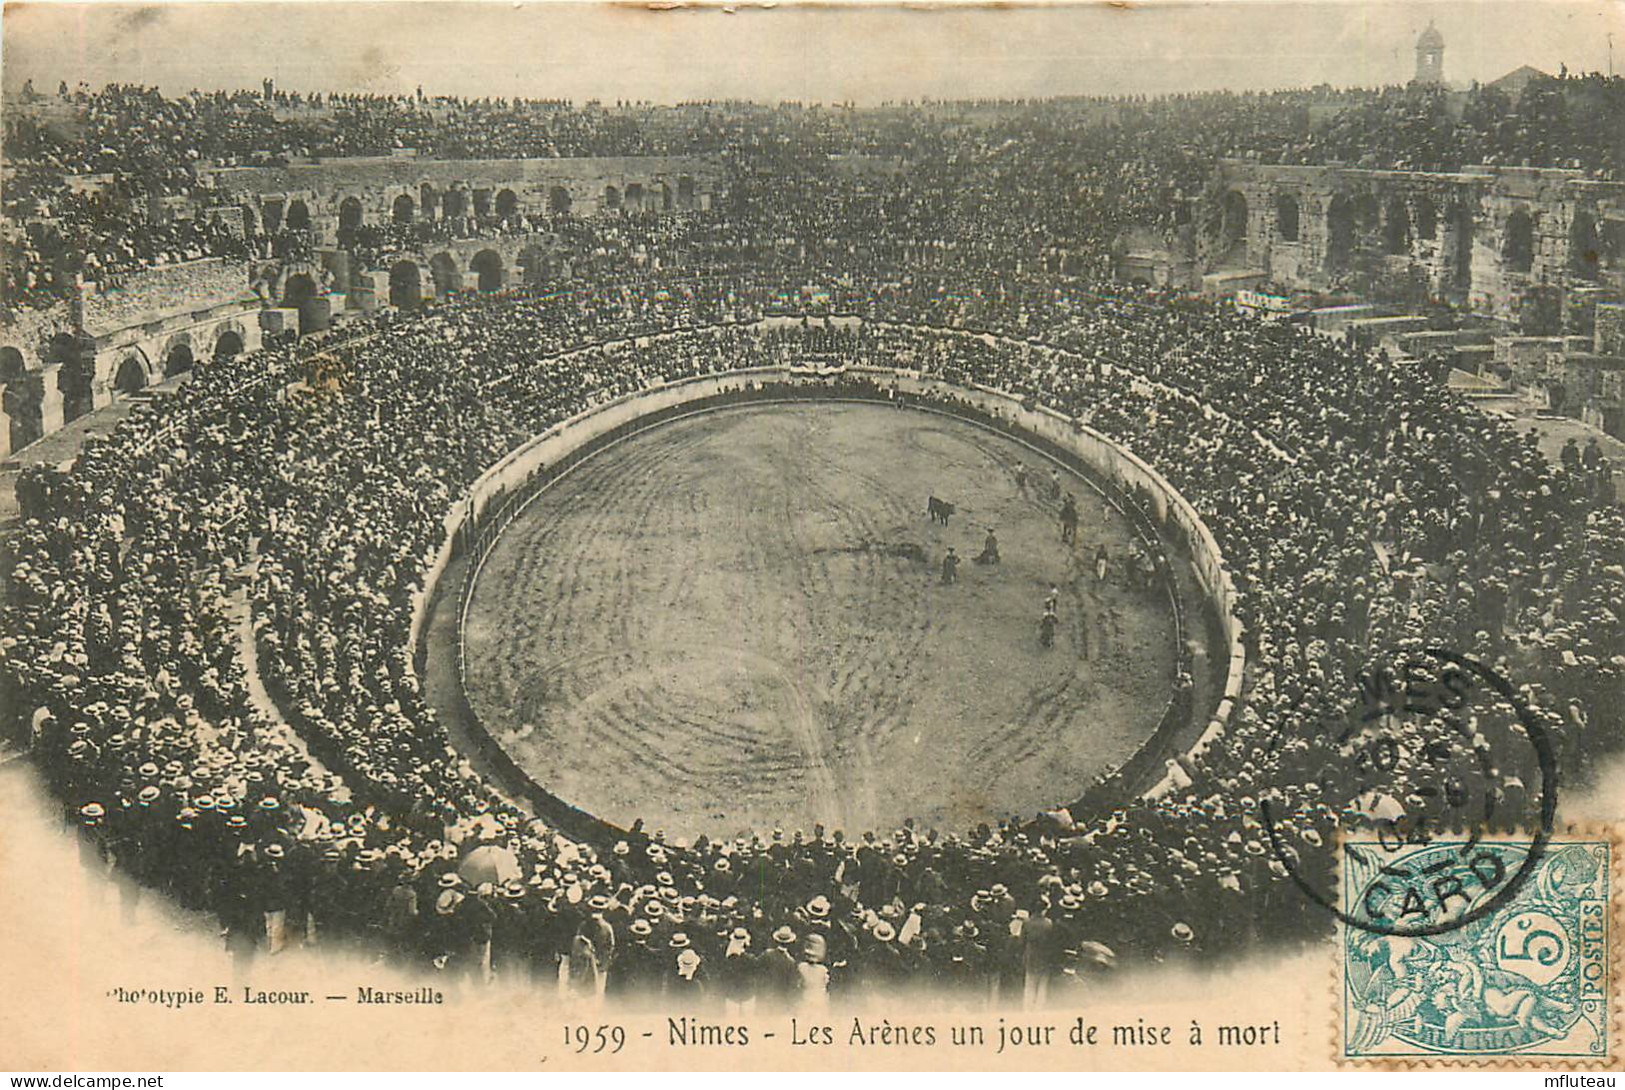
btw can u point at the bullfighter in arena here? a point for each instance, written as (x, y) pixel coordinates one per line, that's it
(1069, 520)
(1046, 626)
(990, 549)
(950, 567)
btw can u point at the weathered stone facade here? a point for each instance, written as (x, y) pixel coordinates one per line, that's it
(64, 362)
(164, 320)
(327, 195)
(1501, 242)
(60, 363)
(31, 345)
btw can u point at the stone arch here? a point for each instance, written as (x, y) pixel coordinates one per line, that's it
(455, 204)
(250, 220)
(487, 265)
(1518, 242)
(685, 191)
(405, 285)
(482, 203)
(299, 291)
(1585, 246)
(228, 343)
(1339, 231)
(178, 356)
(445, 274)
(131, 376)
(1460, 223)
(1367, 217)
(298, 217)
(1425, 218)
(558, 200)
(75, 377)
(350, 214)
(1286, 217)
(507, 204)
(428, 201)
(403, 209)
(1396, 226)
(13, 365)
(666, 198)
(634, 197)
(271, 214)
(612, 198)
(21, 399)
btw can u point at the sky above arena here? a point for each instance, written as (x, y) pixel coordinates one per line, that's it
(863, 54)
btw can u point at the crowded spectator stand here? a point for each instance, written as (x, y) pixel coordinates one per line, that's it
(1359, 505)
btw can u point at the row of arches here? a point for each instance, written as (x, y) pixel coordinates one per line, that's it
(431, 204)
(658, 198)
(26, 394)
(487, 272)
(278, 214)
(1348, 218)
(452, 204)
(1362, 222)
(135, 372)
(1590, 250)
(1355, 223)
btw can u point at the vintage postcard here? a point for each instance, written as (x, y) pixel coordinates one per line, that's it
(586, 536)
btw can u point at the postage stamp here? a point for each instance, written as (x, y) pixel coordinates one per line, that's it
(1533, 978)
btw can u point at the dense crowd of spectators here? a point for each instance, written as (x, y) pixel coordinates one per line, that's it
(1364, 512)
(80, 238)
(1016, 182)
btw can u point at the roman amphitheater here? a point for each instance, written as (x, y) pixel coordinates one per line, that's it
(690, 519)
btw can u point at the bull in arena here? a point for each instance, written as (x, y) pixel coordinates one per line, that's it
(938, 510)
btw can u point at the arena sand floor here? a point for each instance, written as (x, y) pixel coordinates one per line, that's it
(735, 622)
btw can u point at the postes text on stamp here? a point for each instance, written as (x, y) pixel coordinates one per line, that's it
(1533, 978)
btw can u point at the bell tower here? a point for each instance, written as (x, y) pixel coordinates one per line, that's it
(1430, 56)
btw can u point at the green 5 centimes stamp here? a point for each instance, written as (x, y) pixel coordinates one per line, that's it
(1532, 979)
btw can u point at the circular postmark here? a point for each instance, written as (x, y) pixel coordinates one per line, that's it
(1432, 754)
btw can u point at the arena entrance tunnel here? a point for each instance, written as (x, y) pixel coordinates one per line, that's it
(507, 489)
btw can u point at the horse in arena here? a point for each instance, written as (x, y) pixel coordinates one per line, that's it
(938, 510)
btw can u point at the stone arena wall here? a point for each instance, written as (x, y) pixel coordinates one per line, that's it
(165, 291)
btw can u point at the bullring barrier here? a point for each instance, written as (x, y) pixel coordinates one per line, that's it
(502, 491)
